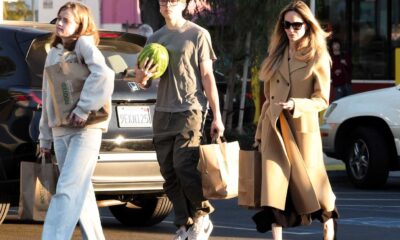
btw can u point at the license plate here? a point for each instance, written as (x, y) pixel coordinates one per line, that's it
(134, 116)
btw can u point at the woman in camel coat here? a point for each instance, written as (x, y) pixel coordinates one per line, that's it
(296, 74)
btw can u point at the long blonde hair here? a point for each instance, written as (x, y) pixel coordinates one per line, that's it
(311, 46)
(84, 18)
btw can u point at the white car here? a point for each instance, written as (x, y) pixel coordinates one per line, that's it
(363, 130)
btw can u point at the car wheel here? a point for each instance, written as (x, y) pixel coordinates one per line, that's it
(143, 212)
(367, 161)
(3, 211)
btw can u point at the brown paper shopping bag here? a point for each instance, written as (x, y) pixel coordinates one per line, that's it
(218, 165)
(66, 80)
(37, 184)
(249, 179)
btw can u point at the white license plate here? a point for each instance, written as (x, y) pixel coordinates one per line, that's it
(134, 116)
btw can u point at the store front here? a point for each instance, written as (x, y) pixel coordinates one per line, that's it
(370, 33)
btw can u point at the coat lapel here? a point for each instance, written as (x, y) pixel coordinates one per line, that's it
(296, 64)
(284, 67)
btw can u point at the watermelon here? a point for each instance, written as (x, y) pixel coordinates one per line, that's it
(159, 54)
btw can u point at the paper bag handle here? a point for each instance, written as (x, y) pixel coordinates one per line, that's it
(217, 139)
(43, 159)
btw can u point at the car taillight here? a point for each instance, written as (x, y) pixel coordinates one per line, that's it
(21, 98)
(30, 100)
(35, 98)
(109, 35)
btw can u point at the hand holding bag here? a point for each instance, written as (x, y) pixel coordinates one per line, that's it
(37, 184)
(66, 81)
(249, 179)
(218, 165)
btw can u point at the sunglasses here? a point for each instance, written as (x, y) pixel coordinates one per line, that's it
(295, 25)
(169, 2)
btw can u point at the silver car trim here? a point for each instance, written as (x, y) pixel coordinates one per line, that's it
(127, 157)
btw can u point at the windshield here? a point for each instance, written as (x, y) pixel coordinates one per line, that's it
(118, 53)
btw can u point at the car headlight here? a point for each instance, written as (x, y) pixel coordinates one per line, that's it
(330, 110)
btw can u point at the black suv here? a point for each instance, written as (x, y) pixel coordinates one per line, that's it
(127, 177)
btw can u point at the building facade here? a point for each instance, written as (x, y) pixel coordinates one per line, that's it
(370, 32)
(108, 14)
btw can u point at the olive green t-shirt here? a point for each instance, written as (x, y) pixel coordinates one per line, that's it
(180, 88)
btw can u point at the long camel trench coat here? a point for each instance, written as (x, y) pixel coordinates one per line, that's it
(298, 167)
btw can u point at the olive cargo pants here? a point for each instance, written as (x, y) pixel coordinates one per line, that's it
(177, 137)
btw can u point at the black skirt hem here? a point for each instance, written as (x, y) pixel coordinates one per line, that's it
(288, 218)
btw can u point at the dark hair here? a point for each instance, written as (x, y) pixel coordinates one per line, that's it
(84, 18)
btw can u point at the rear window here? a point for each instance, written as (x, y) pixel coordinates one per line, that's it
(7, 65)
(119, 55)
(12, 66)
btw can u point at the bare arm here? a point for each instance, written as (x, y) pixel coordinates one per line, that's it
(210, 88)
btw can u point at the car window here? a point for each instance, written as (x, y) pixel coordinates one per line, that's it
(12, 67)
(7, 65)
(119, 55)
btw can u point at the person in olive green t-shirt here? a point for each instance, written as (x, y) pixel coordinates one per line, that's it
(185, 90)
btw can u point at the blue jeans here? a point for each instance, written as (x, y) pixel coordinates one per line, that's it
(74, 198)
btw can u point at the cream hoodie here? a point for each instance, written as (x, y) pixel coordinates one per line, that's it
(97, 90)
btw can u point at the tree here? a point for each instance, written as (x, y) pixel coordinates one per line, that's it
(16, 11)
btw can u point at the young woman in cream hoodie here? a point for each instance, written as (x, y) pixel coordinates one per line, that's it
(77, 145)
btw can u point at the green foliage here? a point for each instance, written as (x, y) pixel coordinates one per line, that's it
(242, 16)
(16, 11)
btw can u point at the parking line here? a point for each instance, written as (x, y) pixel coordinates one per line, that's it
(369, 199)
(369, 206)
(372, 221)
(367, 192)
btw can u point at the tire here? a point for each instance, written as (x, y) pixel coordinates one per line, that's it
(367, 158)
(144, 212)
(3, 211)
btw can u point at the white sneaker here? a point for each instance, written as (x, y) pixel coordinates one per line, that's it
(201, 229)
(181, 234)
